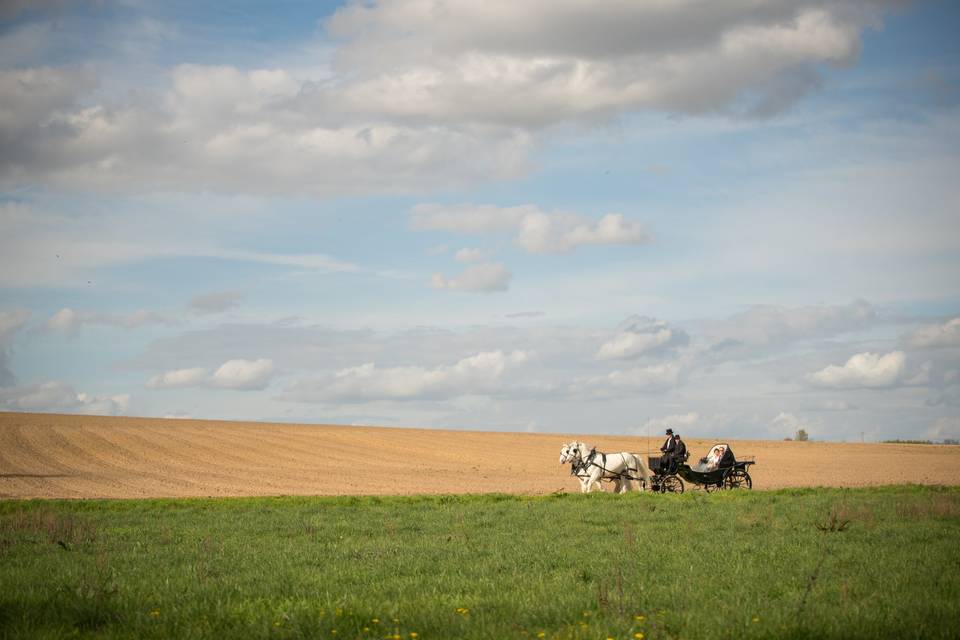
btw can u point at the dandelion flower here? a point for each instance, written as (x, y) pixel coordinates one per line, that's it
(638, 635)
(155, 613)
(413, 634)
(756, 619)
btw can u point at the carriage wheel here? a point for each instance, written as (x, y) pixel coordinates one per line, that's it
(673, 484)
(737, 479)
(712, 486)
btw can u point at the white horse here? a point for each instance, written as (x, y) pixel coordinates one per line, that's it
(577, 468)
(595, 466)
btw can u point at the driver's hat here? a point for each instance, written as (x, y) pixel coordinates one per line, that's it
(669, 432)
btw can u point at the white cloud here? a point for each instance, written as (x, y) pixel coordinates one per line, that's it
(237, 374)
(65, 321)
(56, 396)
(486, 277)
(571, 59)
(767, 325)
(641, 335)
(222, 128)
(560, 233)
(179, 378)
(537, 231)
(935, 335)
(658, 377)
(215, 302)
(863, 370)
(417, 95)
(70, 322)
(468, 254)
(244, 374)
(479, 374)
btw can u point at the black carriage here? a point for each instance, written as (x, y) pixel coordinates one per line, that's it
(719, 469)
(662, 478)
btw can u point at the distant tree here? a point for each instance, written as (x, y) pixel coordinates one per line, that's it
(802, 435)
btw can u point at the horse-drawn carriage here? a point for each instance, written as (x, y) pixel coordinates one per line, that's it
(719, 469)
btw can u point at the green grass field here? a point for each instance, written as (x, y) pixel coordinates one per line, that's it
(796, 563)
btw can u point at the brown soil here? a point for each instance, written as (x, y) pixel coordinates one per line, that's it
(61, 456)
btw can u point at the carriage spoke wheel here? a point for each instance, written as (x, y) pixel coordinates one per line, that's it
(737, 479)
(671, 484)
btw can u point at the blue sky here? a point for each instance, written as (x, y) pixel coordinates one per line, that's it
(737, 219)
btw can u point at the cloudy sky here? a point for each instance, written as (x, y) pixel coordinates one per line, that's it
(735, 218)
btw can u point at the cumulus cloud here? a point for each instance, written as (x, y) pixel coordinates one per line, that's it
(223, 128)
(417, 94)
(70, 322)
(569, 59)
(237, 374)
(775, 325)
(486, 277)
(479, 374)
(244, 375)
(214, 302)
(537, 231)
(10, 323)
(863, 370)
(58, 397)
(641, 335)
(179, 378)
(935, 335)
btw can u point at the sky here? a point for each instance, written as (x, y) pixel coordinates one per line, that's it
(735, 219)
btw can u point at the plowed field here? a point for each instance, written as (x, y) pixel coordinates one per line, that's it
(62, 456)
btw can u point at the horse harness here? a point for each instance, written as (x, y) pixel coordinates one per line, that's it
(607, 473)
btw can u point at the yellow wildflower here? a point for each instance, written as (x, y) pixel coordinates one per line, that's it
(155, 613)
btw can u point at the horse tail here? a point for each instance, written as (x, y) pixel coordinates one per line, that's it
(642, 468)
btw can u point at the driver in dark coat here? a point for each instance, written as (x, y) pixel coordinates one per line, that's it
(668, 449)
(680, 453)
